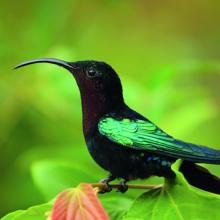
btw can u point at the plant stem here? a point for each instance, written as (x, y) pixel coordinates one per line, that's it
(130, 186)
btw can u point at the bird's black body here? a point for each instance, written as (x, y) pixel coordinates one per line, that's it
(125, 162)
(122, 141)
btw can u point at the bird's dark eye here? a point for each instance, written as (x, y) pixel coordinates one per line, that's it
(92, 73)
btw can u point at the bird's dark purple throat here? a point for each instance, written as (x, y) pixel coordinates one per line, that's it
(124, 142)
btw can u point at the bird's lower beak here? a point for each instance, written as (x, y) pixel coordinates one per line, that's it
(58, 62)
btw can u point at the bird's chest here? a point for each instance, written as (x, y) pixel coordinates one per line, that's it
(125, 162)
(107, 154)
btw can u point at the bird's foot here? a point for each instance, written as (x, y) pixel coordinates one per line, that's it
(106, 181)
(122, 186)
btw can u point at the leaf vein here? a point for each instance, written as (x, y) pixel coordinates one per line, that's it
(175, 206)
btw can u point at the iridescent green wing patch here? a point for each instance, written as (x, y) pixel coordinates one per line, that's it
(132, 133)
(144, 135)
(129, 132)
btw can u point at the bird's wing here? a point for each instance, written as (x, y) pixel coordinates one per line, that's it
(144, 135)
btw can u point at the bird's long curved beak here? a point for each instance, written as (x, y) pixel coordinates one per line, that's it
(58, 62)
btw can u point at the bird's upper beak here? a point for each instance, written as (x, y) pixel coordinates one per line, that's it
(67, 65)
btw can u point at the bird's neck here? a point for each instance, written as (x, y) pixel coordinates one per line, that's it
(94, 107)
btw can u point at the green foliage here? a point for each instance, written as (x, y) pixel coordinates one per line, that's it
(177, 200)
(38, 212)
(52, 177)
(117, 206)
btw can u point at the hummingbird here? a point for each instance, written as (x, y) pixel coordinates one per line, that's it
(123, 142)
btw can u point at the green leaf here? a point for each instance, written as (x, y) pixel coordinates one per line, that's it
(177, 201)
(52, 177)
(116, 206)
(12, 215)
(38, 212)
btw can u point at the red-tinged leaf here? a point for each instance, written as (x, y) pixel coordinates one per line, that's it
(80, 203)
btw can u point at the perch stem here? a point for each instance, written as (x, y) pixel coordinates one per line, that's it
(130, 186)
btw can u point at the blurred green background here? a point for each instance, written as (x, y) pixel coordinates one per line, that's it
(166, 53)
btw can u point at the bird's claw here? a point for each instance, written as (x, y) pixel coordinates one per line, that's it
(105, 180)
(106, 187)
(122, 187)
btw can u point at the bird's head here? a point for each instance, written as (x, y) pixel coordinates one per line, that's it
(97, 81)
